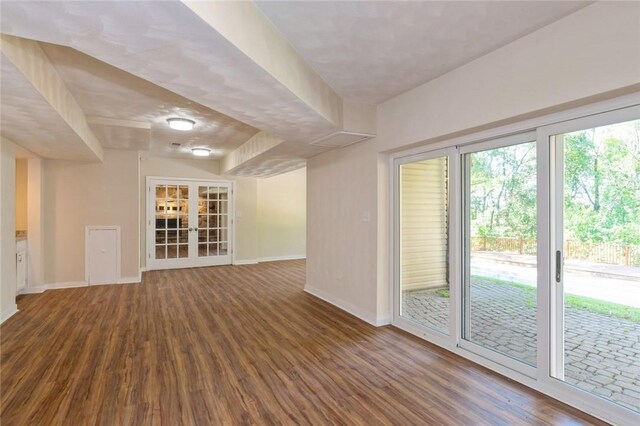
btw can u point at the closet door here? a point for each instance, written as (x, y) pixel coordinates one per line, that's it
(188, 223)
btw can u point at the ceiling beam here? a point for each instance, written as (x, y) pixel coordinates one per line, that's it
(28, 57)
(246, 27)
(260, 143)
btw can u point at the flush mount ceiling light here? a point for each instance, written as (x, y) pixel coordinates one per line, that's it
(181, 123)
(201, 152)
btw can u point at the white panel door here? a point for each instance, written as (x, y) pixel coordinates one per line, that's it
(102, 252)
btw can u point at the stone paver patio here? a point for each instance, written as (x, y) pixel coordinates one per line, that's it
(602, 353)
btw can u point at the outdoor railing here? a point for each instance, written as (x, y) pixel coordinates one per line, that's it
(609, 253)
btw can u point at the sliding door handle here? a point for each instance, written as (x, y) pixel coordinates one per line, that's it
(558, 266)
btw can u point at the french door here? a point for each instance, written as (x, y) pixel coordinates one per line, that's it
(188, 223)
(524, 251)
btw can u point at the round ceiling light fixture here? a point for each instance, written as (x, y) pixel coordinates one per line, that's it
(201, 152)
(181, 123)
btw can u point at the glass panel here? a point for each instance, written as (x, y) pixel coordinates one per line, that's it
(202, 235)
(223, 207)
(222, 234)
(172, 192)
(184, 221)
(172, 237)
(172, 251)
(224, 194)
(424, 277)
(598, 304)
(500, 302)
(183, 250)
(213, 221)
(161, 191)
(184, 192)
(223, 249)
(213, 249)
(213, 207)
(184, 237)
(222, 221)
(202, 250)
(213, 235)
(160, 252)
(161, 237)
(202, 221)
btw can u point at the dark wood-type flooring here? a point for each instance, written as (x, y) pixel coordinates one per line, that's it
(238, 345)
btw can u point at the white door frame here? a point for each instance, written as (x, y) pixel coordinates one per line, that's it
(553, 150)
(449, 339)
(151, 263)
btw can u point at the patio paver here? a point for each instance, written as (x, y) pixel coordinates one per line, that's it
(602, 353)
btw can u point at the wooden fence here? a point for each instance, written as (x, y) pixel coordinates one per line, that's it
(609, 253)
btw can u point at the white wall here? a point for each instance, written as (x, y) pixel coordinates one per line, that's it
(7, 230)
(78, 194)
(35, 225)
(342, 228)
(270, 220)
(282, 216)
(21, 194)
(590, 55)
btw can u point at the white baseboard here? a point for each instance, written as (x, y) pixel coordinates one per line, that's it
(277, 258)
(53, 286)
(268, 259)
(8, 313)
(130, 280)
(380, 321)
(245, 262)
(345, 306)
(74, 284)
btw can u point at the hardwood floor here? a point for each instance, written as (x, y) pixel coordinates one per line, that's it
(237, 345)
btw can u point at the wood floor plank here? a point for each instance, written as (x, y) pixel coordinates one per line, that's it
(237, 345)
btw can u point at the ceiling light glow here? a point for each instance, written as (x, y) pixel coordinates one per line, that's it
(201, 152)
(181, 123)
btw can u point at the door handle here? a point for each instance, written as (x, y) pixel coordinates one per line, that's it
(558, 266)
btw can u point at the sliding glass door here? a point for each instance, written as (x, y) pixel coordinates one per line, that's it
(423, 211)
(499, 229)
(523, 252)
(595, 309)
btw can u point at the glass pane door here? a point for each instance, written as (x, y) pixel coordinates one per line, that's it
(189, 224)
(171, 221)
(213, 220)
(424, 243)
(596, 285)
(500, 229)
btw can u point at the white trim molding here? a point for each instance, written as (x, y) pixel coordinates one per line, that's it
(240, 262)
(75, 284)
(278, 258)
(346, 306)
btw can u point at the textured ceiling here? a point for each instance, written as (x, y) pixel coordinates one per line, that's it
(30, 121)
(108, 92)
(371, 51)
(168, 45)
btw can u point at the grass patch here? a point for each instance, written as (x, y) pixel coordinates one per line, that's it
(443, 292)
(580, 302)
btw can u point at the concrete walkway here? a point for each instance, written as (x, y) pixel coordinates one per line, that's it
(580, 278)
(602, 353)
